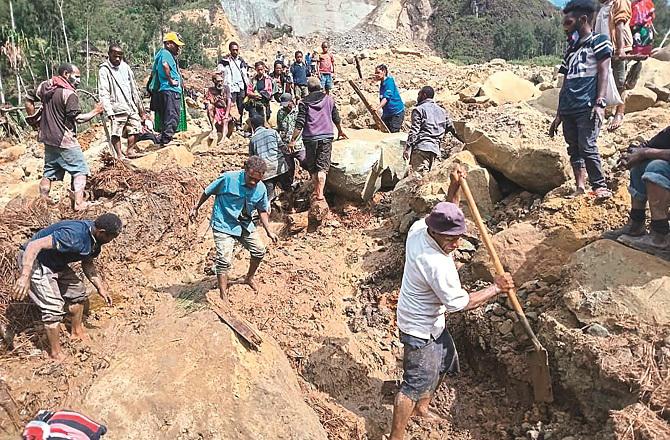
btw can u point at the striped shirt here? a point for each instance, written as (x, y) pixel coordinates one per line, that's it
(580, 67)
(266, 143)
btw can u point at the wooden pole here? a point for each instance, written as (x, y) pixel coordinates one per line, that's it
(15, 56)
(375, 117)
(88, 58)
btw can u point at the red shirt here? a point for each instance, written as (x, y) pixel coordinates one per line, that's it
(326, 63)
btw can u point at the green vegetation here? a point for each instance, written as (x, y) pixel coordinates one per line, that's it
(510, 29)
(37, 35)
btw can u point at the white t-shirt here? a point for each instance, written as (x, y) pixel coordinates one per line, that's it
(603, 20)
(430, 286)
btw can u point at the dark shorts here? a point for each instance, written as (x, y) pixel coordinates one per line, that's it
(394, 122)
(58, 161)
(421, 161)
(425, 363)
(317, 154)
(284, 181)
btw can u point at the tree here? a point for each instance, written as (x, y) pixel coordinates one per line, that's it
(516, 40)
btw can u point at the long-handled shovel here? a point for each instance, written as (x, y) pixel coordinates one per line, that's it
(537, 359)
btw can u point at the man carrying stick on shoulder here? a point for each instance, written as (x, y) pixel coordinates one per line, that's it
(430, 288)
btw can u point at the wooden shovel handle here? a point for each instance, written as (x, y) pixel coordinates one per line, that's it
(486, 238)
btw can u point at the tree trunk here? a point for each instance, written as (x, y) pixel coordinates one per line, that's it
(62, 20)
(2, 91)
(88, 58)
(15, 62)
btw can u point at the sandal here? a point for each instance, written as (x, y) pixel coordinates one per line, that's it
(602, 193)
(628, 229)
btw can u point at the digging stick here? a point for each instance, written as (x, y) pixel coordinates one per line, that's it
(537, 360)
(239, 326)
(375, 117)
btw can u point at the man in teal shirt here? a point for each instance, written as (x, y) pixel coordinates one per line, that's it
(167, 84)
(237, 195)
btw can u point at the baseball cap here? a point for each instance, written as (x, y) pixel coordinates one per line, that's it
(446, 219)
(285, 99)
(174, 37)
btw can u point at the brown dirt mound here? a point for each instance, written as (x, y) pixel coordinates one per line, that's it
(638, 422)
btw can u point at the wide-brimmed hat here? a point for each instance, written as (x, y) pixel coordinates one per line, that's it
(174, 37)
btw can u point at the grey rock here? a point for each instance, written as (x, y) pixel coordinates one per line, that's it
(506, 327)
(597, 330)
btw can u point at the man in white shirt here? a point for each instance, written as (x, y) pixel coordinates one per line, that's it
(430, 287)
(121, 100)
(235, 69)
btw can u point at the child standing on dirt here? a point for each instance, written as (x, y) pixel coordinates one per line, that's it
(326, 68)
(218, 104)
(582, 102)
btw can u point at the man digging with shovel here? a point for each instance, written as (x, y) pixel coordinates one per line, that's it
(431, 287)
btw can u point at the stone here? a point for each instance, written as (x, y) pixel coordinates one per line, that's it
(219, 387)
(597, 330)
(625, 284)
(497, 62)
(662, 93)
(470, 91)
(536, 167)
(434, 185)
(12, 153)
(527, 252)
(409, 97)
(539, 78)
(506, 87)
(165, 157)
(407, 51)
(655, 72)
(545, 86)
(506, 327)
(639, 99)
(360, 163)
(349, 59)
(32, 166)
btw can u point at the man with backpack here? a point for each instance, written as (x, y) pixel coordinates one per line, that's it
(167, 88)
(121, 100)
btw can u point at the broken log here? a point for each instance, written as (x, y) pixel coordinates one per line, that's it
(239, 326)
(375, 117)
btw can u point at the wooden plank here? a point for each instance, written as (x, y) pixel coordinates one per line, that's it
(235, 322)
(375, 117)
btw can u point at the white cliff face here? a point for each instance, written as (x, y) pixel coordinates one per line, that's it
(304, 16)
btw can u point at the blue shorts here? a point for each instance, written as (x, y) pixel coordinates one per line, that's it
(651, 171)
(425, 363)
(327, 81)
(58, 160)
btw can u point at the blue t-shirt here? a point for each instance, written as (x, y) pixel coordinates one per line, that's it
(72, 241)
(234, 203)
(164, 56)
(389, 90)
(299, 73)
(580, 67)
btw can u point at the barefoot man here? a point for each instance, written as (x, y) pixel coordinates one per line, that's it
(237, 195)
(44, 262)
(431, 287)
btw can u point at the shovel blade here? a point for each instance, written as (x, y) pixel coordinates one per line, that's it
(538, 363)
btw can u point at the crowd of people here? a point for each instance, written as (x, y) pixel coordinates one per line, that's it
(601, 44)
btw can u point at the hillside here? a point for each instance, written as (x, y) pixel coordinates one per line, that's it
(476, 30)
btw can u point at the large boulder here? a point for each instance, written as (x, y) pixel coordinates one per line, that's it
(655, 72)
(182, 386)
(639, 99)
(506, 87)
(527, 252)
(547, 102)
(538, 167)
(362, 162)
(165, 157)
(484, 188)
(611, 283)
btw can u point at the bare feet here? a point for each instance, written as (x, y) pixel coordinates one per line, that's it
(616, 122)
(80, 335)
(425, 414)
(58, 356)
(245, 280)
